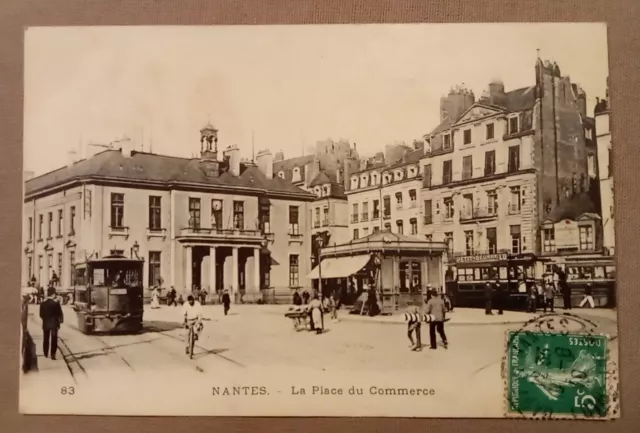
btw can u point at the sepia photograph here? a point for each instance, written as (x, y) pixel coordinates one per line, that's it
(391, 220)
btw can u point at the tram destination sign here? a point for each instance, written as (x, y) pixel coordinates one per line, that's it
(481, 258)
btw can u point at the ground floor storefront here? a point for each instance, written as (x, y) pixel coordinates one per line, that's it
(468, 275)
(396, 270)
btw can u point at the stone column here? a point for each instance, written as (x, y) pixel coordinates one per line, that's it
(212, 271)
(188, 269)
(234, 274)
(256, 270)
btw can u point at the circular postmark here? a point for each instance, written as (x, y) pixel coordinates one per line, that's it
(557, 366)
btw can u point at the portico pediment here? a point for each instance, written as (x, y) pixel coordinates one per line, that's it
(477, 112)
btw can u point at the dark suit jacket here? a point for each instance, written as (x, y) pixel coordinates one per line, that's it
(51, 314)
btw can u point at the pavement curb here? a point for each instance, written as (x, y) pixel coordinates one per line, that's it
(451, 322)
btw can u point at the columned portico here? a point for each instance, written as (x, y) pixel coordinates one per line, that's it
(234, 274)
(212, 269)
(188, 268)
(256, 270)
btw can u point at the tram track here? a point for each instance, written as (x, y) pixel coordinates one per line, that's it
(205, 350)
(74, 359)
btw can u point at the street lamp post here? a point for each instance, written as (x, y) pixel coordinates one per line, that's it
(319, 242)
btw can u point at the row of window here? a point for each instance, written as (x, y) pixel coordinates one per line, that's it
(586, 238)
(513, 127)
(491, 243)
(470, 211)
(31, 272)
(373, 178)
(195, 214)
(413, 228)
(60, 220)
(467, 166)
(355, 216)
(325, 217)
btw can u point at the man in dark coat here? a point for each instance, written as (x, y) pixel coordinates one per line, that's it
(488, 294)
(226, 301)
(171, 297)
(500, 296)
(52, 318)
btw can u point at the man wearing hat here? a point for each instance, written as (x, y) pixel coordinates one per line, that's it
(436, 307)
(427, 294)
(226, 301)
(52, 318)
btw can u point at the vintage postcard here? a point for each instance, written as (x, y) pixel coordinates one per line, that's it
(408, 220)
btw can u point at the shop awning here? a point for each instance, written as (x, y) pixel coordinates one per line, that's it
(339, 267)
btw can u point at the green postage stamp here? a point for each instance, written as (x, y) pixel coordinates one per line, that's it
(557, 375)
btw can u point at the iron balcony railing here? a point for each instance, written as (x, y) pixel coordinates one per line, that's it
(478, 213)
(203, 231)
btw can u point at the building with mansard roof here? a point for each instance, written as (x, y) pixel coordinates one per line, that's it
(205, 222)
(499, 172)
(384, 195)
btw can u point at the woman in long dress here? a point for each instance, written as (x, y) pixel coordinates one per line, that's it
(155, 298)
(317, 316)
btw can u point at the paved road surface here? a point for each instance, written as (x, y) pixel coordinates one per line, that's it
(244, 339)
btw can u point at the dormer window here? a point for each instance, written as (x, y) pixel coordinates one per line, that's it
(354, 182)
(374, 178)
(296, 175)
(446, 141)
(412, 172)
(398, 175)
(363, 180)
(317, 191)
(326, 190)
(386, 178)
(514, 124)
(281, 174)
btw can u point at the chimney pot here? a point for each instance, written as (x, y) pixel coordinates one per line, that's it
(264, 161)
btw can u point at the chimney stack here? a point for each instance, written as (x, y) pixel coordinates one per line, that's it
(71, 158)
(264, 161)
(233, 154)
(126, 147)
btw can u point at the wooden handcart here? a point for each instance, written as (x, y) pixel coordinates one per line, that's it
(300, 317)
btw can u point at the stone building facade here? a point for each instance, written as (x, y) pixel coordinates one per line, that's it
(208, 222)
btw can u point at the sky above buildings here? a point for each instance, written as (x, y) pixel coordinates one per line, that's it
(280, 87)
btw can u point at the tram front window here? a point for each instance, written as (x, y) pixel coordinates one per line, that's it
(116, 276)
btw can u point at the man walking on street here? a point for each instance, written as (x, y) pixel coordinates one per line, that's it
(226, 301)
(52, 318)
(414, 327)
(436, 307)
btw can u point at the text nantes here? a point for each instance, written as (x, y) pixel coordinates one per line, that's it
(239, 390)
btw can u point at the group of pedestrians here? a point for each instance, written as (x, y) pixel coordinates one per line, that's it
(539, 294)
(317, 306)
